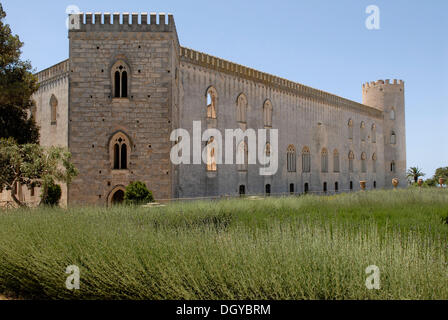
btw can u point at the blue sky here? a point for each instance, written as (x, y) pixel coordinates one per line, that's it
(320, 43)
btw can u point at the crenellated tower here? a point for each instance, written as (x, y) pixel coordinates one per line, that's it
(388, 96)
(123, 103)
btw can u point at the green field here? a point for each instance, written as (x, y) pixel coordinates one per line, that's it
(307, 247)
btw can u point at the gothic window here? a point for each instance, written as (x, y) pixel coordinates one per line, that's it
(242, 156)
(374, 162)
(392, 114)
(393, 138)
(335, 160)
(363, 162)
(241, 108)
(120, 79)
(306, 160)
(291, 158)
(350, 129)
(54, 108)
(373, 133)
(392, 167)
(120, 148)
(351, 157)
(211, 155)
(324, 160)
(363, 131)
(267, 113)
(212, 98)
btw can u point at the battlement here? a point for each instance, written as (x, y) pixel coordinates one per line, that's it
(121, 22)
(60, 69)
(382, 82)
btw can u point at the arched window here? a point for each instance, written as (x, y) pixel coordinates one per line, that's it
(363, 162)
(241, 108)
(374, 162)
(392, 114)
(291, 158)
(267, 114)
(54, 108)
(335, 160)
(212, 99)
(306, 160)
(119, 149)
(373, 133)
(324, 160)
(393, 138)
(120, 79)
(350, 129)
(242, 156)
(211, 155)
(363, 131)
(392, 166)
(351, 157)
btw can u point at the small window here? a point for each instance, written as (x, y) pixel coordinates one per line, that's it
(374, 184)
(306, 187)
(374, 162)
(242, 156)
(336, 186)
(325, 187)
(268, 189)
(32, 191)
(242, 190)
(351, 185)
(291, 188)
(373, 133)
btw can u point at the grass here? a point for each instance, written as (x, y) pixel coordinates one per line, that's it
(308, 247)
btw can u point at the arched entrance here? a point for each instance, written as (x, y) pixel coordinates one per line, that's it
(116, 196)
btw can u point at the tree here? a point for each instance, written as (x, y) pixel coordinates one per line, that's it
(441, 172)
(137, 193)
(33, 165)
(415, 173)
(17, 84)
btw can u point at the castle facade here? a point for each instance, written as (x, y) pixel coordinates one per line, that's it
(128, 83)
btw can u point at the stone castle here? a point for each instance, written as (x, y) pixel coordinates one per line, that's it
(128, 83)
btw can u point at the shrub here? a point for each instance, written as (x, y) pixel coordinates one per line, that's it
(137, 193)
(52, 195)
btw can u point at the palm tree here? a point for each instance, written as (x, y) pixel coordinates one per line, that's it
(415, 173)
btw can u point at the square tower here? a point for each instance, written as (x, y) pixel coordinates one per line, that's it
(123, 98)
